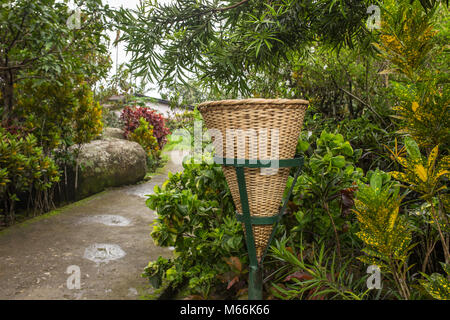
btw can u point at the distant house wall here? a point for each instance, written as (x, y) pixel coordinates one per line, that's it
(160, 105)
(163, 108)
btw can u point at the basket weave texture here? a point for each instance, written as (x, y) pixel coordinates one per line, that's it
(265, 190)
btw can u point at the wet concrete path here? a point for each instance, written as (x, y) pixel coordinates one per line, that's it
(104, 239)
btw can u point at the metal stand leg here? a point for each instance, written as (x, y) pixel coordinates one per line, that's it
(255, 283)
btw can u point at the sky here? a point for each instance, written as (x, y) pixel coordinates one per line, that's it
(119, 52)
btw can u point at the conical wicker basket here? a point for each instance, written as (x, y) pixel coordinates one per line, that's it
(265, 191)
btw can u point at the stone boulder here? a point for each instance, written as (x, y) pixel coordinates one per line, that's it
(112, 133)
(107, 163)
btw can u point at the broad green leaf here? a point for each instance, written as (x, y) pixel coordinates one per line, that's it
(412, 148)
(338, 161)
(376, 181)
(347, 149)
(303, 146)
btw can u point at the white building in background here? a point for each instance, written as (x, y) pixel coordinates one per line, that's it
(163, 107)
(160, 105)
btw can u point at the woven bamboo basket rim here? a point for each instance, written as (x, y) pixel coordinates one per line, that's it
(256, 102)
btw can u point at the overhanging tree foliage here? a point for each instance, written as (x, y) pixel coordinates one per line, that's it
(229, 40)
(37, 40)
(225, 42)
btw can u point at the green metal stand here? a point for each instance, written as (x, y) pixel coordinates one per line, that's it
(255, 287)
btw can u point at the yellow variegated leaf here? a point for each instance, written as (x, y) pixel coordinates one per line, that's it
(402, 161)
(432, 158)
(400, 176)
(444, 163)
(441, 173)
(396, 175)
(414, 106)
(392, 219)
(393, 154)
(395, 151)
(421, 172)
(387, 71)
(377, 46)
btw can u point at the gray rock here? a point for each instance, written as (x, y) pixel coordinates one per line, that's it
(109, 163)
(112, 133)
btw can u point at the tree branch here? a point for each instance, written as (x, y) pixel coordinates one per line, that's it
(231, 7)
(211, 10)
(25, 63)
(364, 103)
(19, 30)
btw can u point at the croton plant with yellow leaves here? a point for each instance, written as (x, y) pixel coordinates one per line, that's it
(422, 175)
(385, 233)
(385, 226)
(427, 176)
(415, 45)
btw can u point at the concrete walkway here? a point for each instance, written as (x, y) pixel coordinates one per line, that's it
(105, 239)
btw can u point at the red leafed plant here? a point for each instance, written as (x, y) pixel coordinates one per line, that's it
(131, 116)
(14, 127)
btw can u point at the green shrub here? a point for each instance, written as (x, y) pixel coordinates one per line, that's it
(143, 135)
(196, 216)
(60, 115)
(23, 168)
(183, 120)
(110, 119)
(385, 233)
(413, 42)
(312, 273)
(323, 194)
(437, 285)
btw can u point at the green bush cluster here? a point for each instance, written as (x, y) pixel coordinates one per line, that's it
(323, 194)
(359, 217)
(60, 115)
(143, 135)
(24, 169)
(196, 216)
(46, 89)
(373, 190)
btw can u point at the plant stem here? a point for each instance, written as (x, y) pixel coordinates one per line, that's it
(443, 238)
(338, 244)
(399, 282)
(430, 247)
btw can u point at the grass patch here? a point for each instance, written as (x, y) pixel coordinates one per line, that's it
(177, 143)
